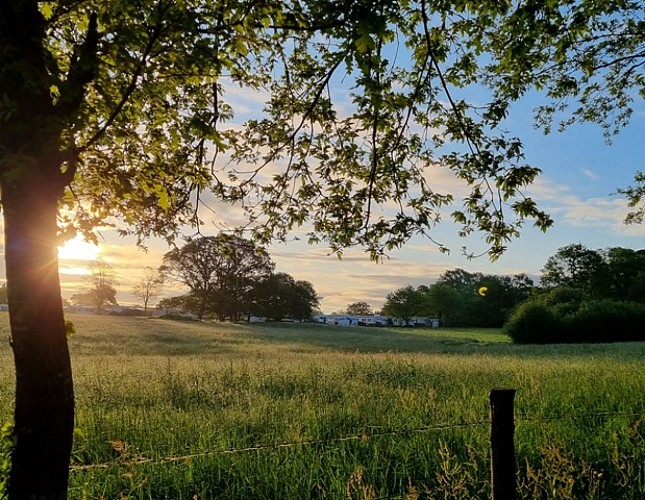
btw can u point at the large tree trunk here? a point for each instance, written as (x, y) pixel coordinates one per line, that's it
(44, 411)
(36, 163)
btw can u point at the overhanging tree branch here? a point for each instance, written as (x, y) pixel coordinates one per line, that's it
(130, 89)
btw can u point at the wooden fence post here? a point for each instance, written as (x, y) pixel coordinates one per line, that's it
(502, 428)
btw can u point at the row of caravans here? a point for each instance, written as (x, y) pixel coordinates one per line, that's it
(374, 320)
(328, 319)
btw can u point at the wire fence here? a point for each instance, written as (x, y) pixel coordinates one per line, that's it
(370, 432)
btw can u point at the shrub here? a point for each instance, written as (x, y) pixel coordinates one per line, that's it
(533, 322)
(605, 321)
(563, 315)
(564, 300)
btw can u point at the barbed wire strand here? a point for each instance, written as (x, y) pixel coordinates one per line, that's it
(364, 436)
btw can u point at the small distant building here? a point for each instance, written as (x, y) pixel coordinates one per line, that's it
(161, 312)
(342, 320)
(373, 320)
(417, 321)
(81, 309)
(319, 318)
(351, 320)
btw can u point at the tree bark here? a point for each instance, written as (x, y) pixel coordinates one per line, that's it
(44, 408)
(37, 161)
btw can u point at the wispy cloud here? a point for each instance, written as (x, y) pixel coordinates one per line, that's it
(589, 174)
(354, 278)
(569, 209)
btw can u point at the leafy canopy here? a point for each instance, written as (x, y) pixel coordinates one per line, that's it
(280, 296)
(614, 273)
(457, 299)
(359, 111)
(588, 56)
(360, 308)
(220, 272)
(363, 104)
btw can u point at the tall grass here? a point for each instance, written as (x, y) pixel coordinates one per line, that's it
(164, 406)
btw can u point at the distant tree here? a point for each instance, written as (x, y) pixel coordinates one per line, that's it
(359, 309)
(149, 287)
(569, 315)
(304, 301)
(187, 302)
(463, 298)
(84, 299)
(576, 266)
(271, 296)
(242, 265)
(220, 271)
(196, 266)
(614, 273)
(90, 298)
(522, 285)
(496, 298)
(279, 296)
(102, 279)
(404, 303)
(461, 281)
(443, 302)
(625, 274)
(466, 285)
(593, 297)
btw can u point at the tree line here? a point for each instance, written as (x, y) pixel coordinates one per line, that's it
(462, 298)
(586, 296)
(613, 273)
(228, 277)
(232, 278)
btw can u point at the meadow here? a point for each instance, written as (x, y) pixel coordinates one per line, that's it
(189, 410)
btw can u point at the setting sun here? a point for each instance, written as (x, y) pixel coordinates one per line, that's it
(78, 249)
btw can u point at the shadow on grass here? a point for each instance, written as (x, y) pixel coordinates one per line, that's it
(436, 341)
(114, 336)
(381, 339)
(105, 336)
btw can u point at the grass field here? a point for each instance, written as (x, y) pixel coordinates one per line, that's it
(187, 410)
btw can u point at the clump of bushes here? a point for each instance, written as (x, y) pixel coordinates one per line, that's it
(565, 315)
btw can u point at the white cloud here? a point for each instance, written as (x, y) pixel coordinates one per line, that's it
(355, 277)
(571, 210)
(590, 174)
